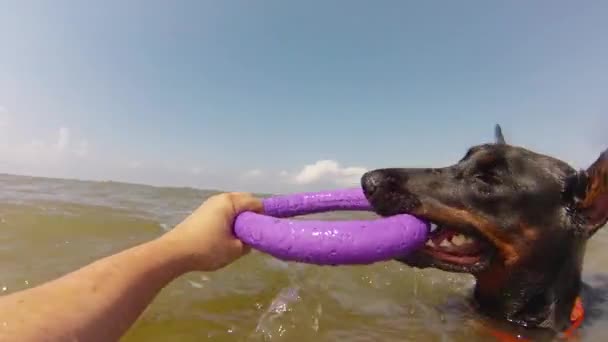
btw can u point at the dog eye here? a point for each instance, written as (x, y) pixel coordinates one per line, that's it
(488, 177)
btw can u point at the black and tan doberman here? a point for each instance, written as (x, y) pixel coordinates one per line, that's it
(517, 220)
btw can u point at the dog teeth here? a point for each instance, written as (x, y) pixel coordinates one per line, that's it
(433, 227)
(452, 241)
(459, 240)
(445, 243)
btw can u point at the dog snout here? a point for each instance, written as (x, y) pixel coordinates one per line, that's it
(372, 181)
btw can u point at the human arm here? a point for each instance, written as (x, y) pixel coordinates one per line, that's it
(101, 301)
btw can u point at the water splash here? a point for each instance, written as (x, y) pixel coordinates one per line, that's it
(270, 323)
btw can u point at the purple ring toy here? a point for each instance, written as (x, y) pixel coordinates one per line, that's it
(328, 242)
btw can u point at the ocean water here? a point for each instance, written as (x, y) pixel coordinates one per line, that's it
(49, 227)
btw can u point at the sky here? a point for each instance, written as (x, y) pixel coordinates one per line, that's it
(279, 96)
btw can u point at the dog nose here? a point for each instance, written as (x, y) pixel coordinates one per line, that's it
(371, 182)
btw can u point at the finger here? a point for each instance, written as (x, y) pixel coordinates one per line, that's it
(246, 202)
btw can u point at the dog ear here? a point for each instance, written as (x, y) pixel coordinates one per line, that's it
(589, 189)
(498, 137)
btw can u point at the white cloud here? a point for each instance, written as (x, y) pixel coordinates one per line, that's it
(61, 152)
(82, 150)
(254, 173)
(39, 152)
(134, 164)
(64, 139)
(328, 172)
(3, 118)
(196, 170)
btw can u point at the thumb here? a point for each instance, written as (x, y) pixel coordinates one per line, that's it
(242, 201)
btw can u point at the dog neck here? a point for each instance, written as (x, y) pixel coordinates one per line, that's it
(542, 296)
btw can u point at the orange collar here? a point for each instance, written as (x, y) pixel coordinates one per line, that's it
(576, 319)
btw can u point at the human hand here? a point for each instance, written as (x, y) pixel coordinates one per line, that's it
(206, 235)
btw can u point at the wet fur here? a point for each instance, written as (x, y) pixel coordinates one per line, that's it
(537, 211)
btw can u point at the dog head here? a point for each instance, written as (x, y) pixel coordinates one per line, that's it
(501, 206)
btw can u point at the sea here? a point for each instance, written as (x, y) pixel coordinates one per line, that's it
(49, 227)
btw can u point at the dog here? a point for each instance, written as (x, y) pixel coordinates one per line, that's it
(517, 220)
